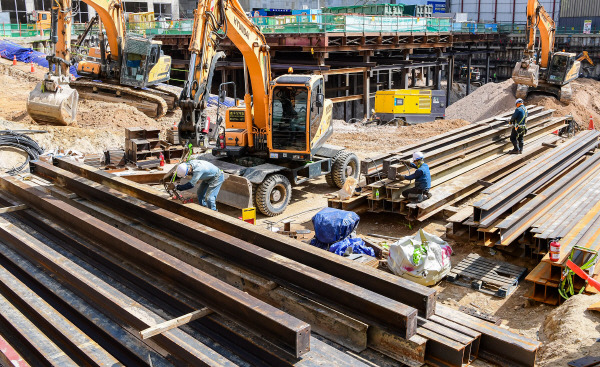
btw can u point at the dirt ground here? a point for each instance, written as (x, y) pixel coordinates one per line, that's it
(101, 125)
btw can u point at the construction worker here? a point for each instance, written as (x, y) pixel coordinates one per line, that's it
(421, 176)
(211, 176)
(518, 124)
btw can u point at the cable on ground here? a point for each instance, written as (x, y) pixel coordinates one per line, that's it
(9, 138)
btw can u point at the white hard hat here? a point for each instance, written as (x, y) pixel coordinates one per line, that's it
(417, 156)
(182, 170)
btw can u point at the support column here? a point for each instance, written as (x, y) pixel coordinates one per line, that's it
(469, 61)
(404, 79)
(367, 88)
(347, 85)
(427, 78)
(487, 68)
(413, 81)
(390, 84)
(437, 77)
(355, 92)
(449, 79)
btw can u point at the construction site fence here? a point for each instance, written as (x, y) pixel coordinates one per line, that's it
(310, 23)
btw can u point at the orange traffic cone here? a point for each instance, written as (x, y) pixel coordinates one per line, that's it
(32, 69)
(591, 123)
(15, 60)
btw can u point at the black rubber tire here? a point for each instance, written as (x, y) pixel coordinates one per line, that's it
(265, 194)
(329, 177)
(346, 165)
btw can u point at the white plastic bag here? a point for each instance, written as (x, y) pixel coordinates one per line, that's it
(423, 258)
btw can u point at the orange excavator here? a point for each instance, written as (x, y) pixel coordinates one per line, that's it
(542, 69)
(278, 137)
(130, 63)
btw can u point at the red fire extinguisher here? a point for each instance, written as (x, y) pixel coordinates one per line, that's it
(162, 160)
(554, 250)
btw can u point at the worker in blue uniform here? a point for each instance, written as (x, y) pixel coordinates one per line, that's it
(211, 176)
(518, 127)
(422, 177)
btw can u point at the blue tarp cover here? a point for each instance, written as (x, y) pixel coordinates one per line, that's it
(333, 230)
(9, 50)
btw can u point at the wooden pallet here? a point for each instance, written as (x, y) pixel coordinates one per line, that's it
(488, 276)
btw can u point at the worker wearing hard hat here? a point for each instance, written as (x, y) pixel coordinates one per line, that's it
(518, 127)
(421, 176)
(211, 176)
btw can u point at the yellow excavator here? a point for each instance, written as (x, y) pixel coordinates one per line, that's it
(277, 138)
(542, 69)
(129, 63)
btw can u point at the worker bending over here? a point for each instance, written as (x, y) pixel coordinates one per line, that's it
(211, 176)
(518, 124)
(421, 176)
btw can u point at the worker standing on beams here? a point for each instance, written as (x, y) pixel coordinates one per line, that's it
(211, 176)
(421, 176)
(518, 124)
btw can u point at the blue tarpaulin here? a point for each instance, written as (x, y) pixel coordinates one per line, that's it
(333, 232)
(9, 50)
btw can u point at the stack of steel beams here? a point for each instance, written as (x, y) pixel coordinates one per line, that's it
(145, 256)
(462, 163)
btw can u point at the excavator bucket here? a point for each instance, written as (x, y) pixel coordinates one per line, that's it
(56, 108)
(526, 74)
(236, 192)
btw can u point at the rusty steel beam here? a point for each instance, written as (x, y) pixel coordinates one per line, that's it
(497, 344)
(288, 332)
(362, 302)
(518, 222)
(510, 191)
(401, 290)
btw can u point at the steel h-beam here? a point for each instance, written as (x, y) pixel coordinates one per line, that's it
(487, 68)
(420, 297)
(449, 79)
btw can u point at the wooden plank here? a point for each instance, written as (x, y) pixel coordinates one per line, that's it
(177, 322)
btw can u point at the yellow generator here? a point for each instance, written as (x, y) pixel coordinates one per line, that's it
(409, 106)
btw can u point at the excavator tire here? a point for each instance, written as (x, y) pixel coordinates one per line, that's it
(329, 177)
(346, 165)
(273, 195)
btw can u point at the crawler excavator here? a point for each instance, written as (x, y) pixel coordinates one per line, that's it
(277, 138)
(542, 69)
(130, 63)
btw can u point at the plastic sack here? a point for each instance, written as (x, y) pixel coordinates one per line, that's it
(333, 225)
(423, 258)
(351, 246)
(348, 189)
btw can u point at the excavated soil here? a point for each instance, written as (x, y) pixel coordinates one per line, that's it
(569, 331)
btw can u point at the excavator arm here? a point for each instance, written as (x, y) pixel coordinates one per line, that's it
(214, 20)
(585, 56)
(538, 18)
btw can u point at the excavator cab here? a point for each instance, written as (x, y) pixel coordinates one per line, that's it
(144, 63)
(563, 68)
(298, 124)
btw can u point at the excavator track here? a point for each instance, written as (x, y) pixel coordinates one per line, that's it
(153, 104)
(172, 94)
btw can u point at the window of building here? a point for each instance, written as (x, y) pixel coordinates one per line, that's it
(163, 11)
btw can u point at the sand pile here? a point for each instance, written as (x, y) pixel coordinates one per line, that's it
(585, 103)
(368, 140)
(494, 98)
(487, 101)
(570, 332)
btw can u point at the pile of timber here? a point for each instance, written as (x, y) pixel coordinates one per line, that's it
(556, 196)
(89, 260)
(462, 163)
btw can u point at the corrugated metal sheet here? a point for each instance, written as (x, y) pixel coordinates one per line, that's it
(502, 11)
(580, 8)
(576, 23)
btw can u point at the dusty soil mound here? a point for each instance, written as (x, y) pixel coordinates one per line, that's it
(370, 140)
(487, 101)
(494, 98)
(570, 332)
(585, 103)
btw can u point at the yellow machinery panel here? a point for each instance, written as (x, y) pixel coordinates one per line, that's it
(160, 71)
(403, 101)
(236, 137)
(88, 67)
